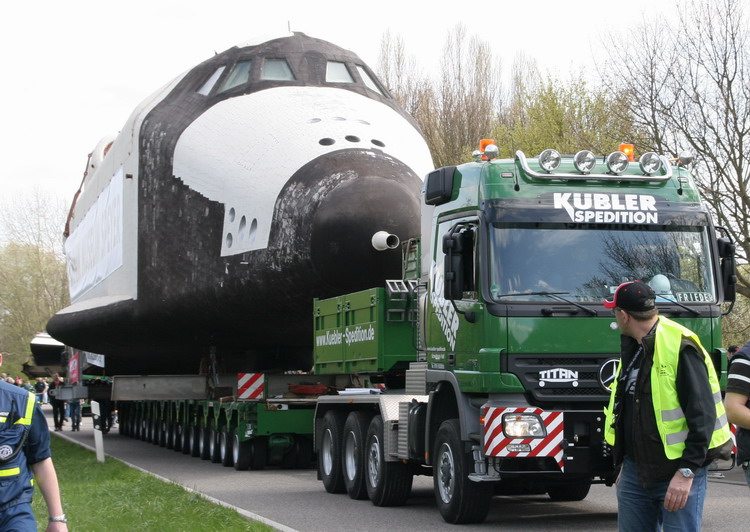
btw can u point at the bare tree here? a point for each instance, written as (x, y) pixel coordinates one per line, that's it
(458, 108)
(33, 277)
(689, 88)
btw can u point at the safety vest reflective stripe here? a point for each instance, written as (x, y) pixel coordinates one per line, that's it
(13, 471)
(672, 424)
(30, 404)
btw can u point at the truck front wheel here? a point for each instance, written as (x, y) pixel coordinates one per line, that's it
(569, 491)
(459, 499)
(388, 483)
(355, 433)
(329, 452)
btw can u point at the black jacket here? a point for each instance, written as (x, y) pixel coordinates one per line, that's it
(696, 400)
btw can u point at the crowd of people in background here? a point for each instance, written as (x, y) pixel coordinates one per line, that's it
(63, 411)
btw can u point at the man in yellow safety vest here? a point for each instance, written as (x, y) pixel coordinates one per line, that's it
(665, 417)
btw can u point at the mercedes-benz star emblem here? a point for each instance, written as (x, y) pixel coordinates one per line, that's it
(607, 373)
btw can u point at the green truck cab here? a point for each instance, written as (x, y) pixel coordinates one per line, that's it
(495, 350)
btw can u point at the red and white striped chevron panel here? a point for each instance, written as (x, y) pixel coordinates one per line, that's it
(496, 443)
(250, 385)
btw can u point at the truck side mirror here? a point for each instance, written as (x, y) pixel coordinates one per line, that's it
(438, 187)
(728, 268)
(453, 266)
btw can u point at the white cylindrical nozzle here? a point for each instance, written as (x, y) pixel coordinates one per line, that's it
(383, 240)
(613, 325)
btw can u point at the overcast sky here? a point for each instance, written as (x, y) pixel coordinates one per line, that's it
(73, 71)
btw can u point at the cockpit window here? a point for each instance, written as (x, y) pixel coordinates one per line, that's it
(277, 70)
(368, 80)
(210, 82)
(239, 75)
(336, 72)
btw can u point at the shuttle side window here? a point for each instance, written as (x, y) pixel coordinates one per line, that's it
(239, 75)
(276, 70)
(368, 80)
(336, 72)
(210, 82)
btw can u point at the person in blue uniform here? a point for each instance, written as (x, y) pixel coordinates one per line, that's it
(25, 455)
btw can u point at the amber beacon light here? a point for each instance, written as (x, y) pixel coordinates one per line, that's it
(629, 150)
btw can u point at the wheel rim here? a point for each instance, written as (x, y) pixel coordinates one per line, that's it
(236, 448)
(326, 451)
(350, 456)
(446, 472)
(223, 445)
(373, 462)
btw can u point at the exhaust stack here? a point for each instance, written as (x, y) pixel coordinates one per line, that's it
(383, 240)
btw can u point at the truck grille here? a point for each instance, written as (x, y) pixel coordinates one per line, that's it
(554, 378)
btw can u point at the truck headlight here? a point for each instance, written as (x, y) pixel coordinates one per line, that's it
(617, 162)
(650, 163)
(549, 160)
(523, 426)
(584, 161)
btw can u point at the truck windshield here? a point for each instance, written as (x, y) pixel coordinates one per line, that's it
(589, 262)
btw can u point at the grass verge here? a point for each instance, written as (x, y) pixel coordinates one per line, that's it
(112, 497)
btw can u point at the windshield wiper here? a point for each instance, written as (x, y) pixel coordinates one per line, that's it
(689, 309)
(553, 295)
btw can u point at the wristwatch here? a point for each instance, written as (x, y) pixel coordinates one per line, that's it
(687, 472)
(58, 519)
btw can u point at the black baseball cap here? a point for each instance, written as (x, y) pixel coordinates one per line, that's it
(634, 296)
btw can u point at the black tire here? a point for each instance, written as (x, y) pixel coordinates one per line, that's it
(570, 491)
(225, 448)
(459, 499)
(329, 452)
(241, 452)
(215, 445)
(304, 452)
(195, 440)
(258, 453)
(204, 443)
(177, 437)
(168, 435)
(353, 454)
(388, 483)
(185, 436)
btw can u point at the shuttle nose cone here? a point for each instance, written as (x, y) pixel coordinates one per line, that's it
(350, 214)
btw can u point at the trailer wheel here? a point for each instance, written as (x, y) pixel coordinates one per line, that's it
(258, 453)
(353, 455)
(227, 453)
(459, 499)
(304, 452)
(388, 483)
(195, 440)
(176, 437)
(329, 452)
(570, 491)
(215, 445)
(241, 452)
(205, 443)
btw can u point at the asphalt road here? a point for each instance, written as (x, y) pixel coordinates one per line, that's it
(296, 500)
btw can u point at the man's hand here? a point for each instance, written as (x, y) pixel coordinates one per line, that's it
(677, 492)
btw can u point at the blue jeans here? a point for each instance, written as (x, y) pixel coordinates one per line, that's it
(641, 508)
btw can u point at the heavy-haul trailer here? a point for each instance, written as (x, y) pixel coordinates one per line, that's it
(512, 352)
(260, 423)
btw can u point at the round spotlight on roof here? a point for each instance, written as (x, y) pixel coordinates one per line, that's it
(584, 161)
(617, 162)
(650, 163)
(549, 160)
(491, 152)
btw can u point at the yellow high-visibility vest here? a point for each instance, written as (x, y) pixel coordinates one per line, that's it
(670, 419)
